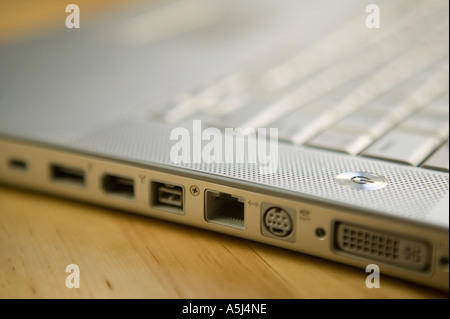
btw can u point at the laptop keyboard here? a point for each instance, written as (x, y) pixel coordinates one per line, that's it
(387, 100)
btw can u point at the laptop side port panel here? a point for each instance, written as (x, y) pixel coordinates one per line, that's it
(167, 197)
(378, 246)
(224, 209)
(278, 222)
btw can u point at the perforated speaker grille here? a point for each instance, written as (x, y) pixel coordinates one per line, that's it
(410, 193)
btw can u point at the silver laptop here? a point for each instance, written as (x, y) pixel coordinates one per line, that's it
(316, 126)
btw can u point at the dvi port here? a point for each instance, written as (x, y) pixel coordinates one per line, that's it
(378, 246)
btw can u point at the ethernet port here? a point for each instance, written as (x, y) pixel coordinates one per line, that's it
(167, 197)
(224, 209)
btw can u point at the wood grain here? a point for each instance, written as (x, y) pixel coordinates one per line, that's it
(121, 255)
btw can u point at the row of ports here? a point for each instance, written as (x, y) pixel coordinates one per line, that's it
(276, 222)
(164, 196)
(219, 208)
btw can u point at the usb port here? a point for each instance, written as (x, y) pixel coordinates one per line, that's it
(167, 197)
(118, 186)
(69, 175)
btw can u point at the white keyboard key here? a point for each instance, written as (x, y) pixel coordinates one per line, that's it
(334, 98)
(230, 85)
(233, 119)
(317, 107)
(373, 123)
(209, 97)
(342, 141)
(229, 104)
(404, 146)
(392, 104)
(300, 126)
(181, 110)
(439, 160)
(399, 103)
(427, 122)
(440, 106)
(434, 87)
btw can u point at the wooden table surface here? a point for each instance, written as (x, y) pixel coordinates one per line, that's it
(122, 255)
